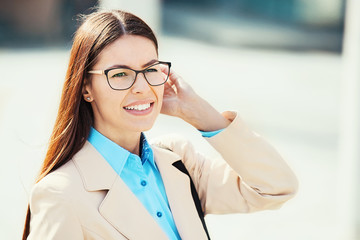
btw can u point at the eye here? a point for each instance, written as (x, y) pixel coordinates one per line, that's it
(151, 70)
(120, 74)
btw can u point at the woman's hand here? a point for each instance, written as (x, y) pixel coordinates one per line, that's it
(180, 100)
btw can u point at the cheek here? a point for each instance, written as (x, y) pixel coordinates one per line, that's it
(107, 99)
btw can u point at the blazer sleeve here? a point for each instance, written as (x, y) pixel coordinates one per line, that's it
(251, 176)
(52, 217)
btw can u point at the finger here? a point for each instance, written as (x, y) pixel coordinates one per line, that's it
(169, 88)
(172, 73)
(164, 69)
(175, 79)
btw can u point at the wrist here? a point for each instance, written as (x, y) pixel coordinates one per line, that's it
(204, 117)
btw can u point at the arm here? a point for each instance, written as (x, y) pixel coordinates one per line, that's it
(251, 176)
(253, 172)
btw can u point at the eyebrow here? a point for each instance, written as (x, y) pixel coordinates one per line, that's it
(126, 66)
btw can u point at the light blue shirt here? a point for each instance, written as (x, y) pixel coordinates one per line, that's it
(210, 134)
(141, 175)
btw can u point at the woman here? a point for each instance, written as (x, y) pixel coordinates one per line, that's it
(101, 179)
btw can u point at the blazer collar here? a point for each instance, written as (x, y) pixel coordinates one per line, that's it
(95, 172)
(120, 207)
(124, 211)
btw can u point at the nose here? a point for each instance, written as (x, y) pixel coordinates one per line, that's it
(140, 84)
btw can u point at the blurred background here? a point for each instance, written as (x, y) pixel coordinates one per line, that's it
(289, 67)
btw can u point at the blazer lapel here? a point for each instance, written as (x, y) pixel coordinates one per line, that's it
(126, 213)
(178, 191)
(120, 207)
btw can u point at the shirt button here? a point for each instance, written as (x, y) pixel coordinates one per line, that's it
(159, 214)
(143, 183)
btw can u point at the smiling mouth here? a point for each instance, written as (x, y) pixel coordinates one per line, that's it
(140, 107)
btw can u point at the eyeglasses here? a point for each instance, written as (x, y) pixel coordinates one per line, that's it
(123, 78)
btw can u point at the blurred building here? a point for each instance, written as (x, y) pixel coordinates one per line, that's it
(306, 12)
(291, 24)
(39, 22)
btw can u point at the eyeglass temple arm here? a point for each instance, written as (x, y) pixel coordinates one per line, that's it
(96, 72)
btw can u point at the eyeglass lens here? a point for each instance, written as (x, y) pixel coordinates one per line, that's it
(122, 78)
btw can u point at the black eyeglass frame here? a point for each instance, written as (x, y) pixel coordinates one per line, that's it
(105, 72)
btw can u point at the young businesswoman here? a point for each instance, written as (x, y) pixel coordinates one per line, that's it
(101, 179)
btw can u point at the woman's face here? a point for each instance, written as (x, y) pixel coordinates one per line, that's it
(123, 111)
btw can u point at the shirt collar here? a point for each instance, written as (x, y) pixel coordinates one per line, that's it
(116, 155)
(146, 151)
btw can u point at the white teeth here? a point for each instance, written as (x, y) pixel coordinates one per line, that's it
(138, 107)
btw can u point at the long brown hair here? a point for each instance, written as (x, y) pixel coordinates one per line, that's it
(75, 115)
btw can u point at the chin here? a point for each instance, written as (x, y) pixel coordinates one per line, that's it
(142, 126)
(141, 123)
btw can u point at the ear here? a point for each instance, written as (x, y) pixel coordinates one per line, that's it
(86, 91)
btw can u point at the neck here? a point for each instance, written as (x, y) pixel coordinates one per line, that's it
(127, 140)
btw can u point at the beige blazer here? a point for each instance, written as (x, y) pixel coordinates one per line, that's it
(86, 199)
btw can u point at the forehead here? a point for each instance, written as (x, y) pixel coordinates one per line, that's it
(133, 51)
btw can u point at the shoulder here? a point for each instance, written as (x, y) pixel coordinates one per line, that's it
(175, 143)
(62, 182)
(55, 205)
(68, 178)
